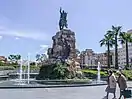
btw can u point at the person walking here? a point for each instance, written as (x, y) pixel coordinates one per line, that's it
(111, 88)
(121, 83)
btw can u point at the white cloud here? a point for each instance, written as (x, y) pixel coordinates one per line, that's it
(5, 29)
(32, 35)
(17, 38)
(1, 37)
(44, 46)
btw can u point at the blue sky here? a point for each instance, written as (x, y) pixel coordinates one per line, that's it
(28, 25)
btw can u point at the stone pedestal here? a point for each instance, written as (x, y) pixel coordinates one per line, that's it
(63, 45)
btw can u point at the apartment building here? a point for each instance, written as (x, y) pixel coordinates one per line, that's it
(122, 54)
(90, 58)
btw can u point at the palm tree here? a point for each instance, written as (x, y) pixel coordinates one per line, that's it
(115, 32)
(41, 58)
(17, 57)
(14, 58)
(125, 38)
(11, 58)
(107, 41)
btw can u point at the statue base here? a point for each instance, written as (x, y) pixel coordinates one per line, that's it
(63, 45)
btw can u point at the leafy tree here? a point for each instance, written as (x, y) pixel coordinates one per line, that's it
(61, 70)
(14, 58)
(1, 63)
(41, 58)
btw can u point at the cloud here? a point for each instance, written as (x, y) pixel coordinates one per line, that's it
(1, 37)
(31, 35)
(44, 46)
(17, 38)
(7, 27)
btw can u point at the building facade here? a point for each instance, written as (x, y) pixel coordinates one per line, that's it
(90, 58)
(122, 54)
(3, 59)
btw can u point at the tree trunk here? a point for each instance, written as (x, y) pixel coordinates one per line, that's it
(108, 56)
(127, 56)
(116, 53)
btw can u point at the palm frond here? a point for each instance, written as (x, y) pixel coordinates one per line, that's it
(102, 42)
(116, 30)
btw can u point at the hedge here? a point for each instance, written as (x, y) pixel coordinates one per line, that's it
(6, 68)
(128, 74)
(93, 73)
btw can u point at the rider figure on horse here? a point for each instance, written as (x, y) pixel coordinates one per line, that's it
(63, 19)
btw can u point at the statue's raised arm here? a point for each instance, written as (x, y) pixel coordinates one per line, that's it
(60, 10)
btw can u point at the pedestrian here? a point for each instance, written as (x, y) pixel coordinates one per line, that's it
(121, 83)
(111, 88)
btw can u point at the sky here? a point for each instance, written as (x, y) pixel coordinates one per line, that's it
(27, 26)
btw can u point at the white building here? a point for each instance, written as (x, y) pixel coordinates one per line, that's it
(122, 54)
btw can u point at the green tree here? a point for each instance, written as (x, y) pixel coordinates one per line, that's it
(14, 58)
(107, 41)
(115, 32)
(41, 58)
(1, 63)
(125, 38)
(61, 70)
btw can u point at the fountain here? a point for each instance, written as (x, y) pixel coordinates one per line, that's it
(20, 81)
(98, 75)
(63, 46)
(20, 74)
(28, 68)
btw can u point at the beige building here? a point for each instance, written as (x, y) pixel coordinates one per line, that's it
(90, 58)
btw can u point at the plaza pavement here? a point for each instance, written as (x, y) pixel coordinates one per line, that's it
(90, 92)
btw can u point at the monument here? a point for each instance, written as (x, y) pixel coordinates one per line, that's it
(63, 42)
(63, 47)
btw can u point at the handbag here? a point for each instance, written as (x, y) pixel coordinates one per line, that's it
(127, 93)
(107, 89)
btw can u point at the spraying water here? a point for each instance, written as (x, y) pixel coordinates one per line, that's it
(20, 74)
(28, 67)
(98, 75)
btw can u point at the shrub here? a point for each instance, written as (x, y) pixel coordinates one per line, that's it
(128, 74)
(53, 71)
(93, 73)
(6, 68)
(61, 71)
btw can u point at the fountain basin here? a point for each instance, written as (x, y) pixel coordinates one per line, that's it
(15, 84)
